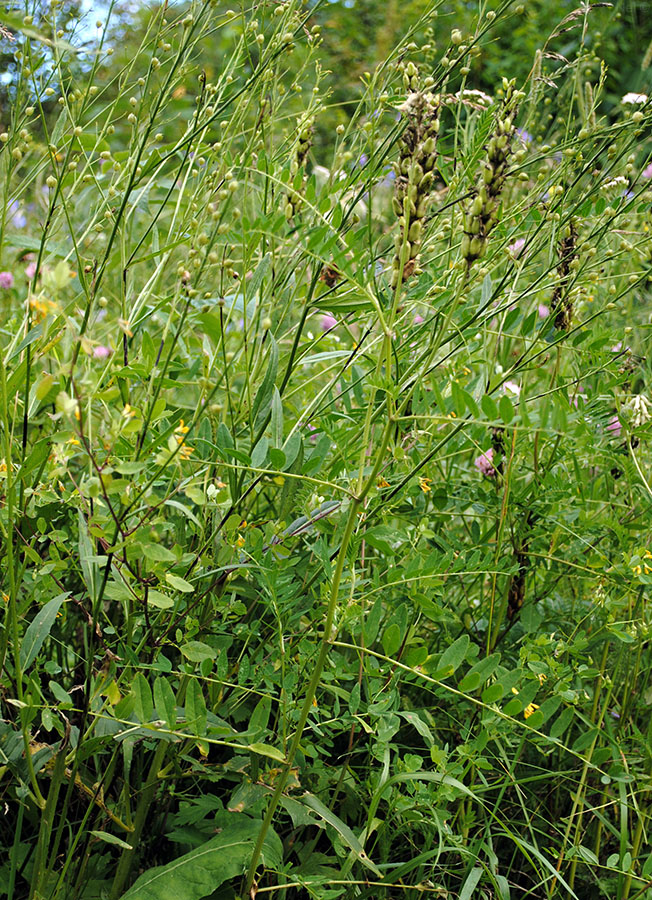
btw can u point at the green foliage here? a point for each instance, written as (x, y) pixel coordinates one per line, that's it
(325, 453)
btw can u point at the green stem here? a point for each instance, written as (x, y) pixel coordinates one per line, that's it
(127, 858)
(40, 870)
(328, 637)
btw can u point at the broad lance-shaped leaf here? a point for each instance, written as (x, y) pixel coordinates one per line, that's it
(200, 872)
(342, 829)
(38, 629)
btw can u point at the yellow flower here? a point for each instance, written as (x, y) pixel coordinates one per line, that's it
(424, 484)
(185, 451)
(41, 307)
(180, 431)
(382, 482)
(529, 709)
(542, 677)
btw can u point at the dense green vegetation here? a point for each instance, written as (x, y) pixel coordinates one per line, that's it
(325, 474)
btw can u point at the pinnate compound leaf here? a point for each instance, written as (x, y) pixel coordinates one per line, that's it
(200, 872)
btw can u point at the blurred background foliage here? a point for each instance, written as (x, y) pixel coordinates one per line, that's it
(358, 37)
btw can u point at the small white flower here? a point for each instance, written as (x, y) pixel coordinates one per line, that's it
(640, 410)
(510, 387)
(618, 181)
(632, 99)
(472, 94)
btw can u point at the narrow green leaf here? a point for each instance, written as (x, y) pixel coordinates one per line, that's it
(277, 419)
(265, 750)
(165, 702)
(264, 393)
(38, 629)
(196, 715)
(489, 407)
(471, 882)
(506, 409)
(342, 829)
(111, 839)
(90, 570)
(143, 703)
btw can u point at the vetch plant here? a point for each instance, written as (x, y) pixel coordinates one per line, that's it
(324, 456)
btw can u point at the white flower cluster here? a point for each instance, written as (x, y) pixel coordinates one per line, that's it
(632, 99)
(471, 95)
(640, 410)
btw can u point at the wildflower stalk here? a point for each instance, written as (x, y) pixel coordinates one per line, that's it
(562, 304)
(481, 215)
(293, 198)
(415, 174)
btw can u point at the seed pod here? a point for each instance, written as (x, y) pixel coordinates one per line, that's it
(482, 212)
(415, 170)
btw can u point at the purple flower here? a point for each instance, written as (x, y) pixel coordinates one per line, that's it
(484, 463)
(6, 280)
(30, 270)
(515, 249)
(614, 426)
(16, 215)
(101, 352)
(524, 135)
(311, 429)
(647, 171)
(327, 322)
(544, 311)
(418, 319)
